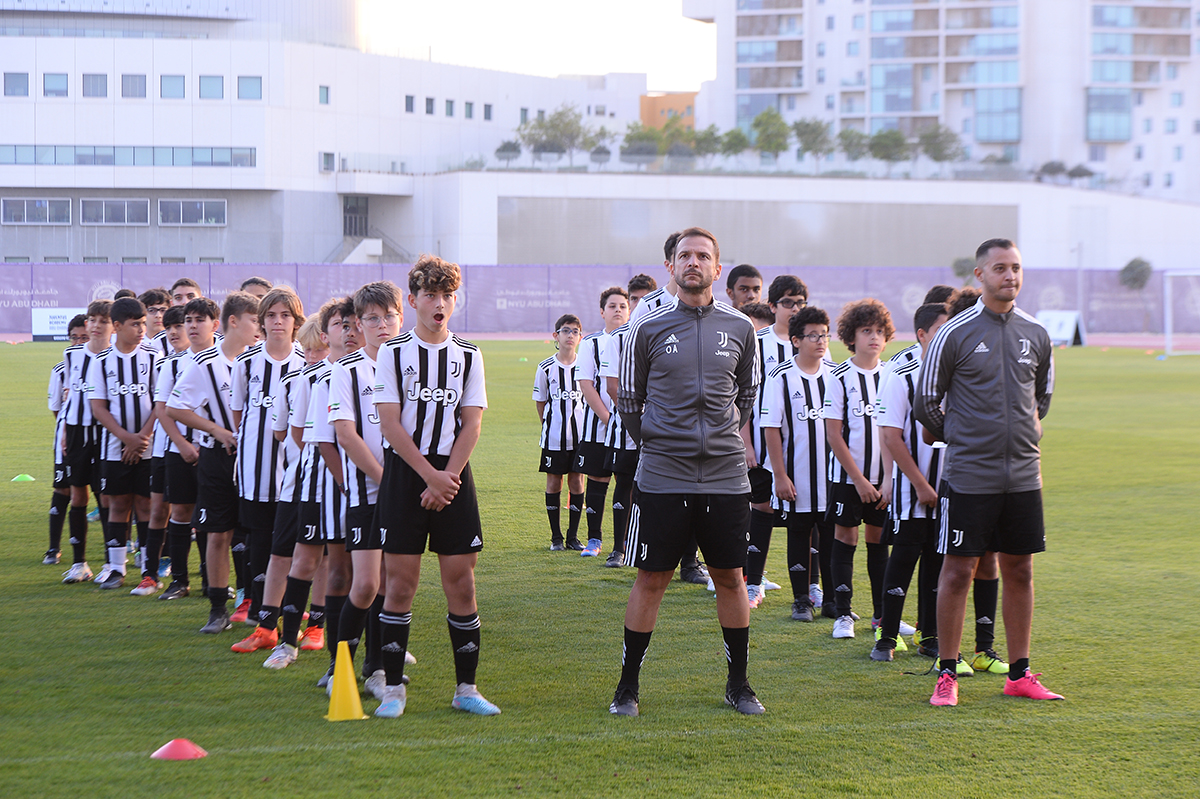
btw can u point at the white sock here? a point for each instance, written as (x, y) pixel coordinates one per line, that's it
(116, 559)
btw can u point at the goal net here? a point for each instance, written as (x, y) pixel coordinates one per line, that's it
(1181, 311)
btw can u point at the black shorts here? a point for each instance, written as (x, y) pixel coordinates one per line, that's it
(287, 528)
(800, 522)
(82, 458)
(556, 461)
(622, 461)
(453, 530)
(972, 524)
(911, 532)
(333, 510)
(60, 471)
(591, 458)
(361, 531)
(255, 516)
(158, 475)
(663, 527)
(308, 524)
(216, 495)
(760, 485)
(846, 508)
(118, 479)
(180, 488)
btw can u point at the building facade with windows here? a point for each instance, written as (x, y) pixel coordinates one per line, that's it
(1110, 84)
(241, 130)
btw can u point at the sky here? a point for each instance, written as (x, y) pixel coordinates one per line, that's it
(550, 37)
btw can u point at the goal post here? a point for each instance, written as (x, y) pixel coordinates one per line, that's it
(1170, 336)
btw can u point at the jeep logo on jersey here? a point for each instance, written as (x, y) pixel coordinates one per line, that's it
(446, 396)
(262, 401)
(865, 409)
(810, 414)
(136, 389)
(560, 394)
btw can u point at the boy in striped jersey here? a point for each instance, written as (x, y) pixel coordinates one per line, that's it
(593, 457)
(557, 396)
(378, 313)
(913, 531)
(184, 290)
(262, 459)
(786, 295)
(856, 467)
(201, 400)
(120, 388)
(200, 319)
(82, 438)
(157, 301)
(56, 396)
(430, 397)
(938, 294)
(792, 419)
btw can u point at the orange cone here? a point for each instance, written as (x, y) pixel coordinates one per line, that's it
(179, 749)
(344, 702)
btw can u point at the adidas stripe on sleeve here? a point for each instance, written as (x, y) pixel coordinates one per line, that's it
(853, 397)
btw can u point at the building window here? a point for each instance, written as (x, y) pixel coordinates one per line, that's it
(212, 87)
(172, 260)
(524, 115)
(601, 110)
(851, 48)
(449, 108)
(96, 259)
(1147, 125)
(1172, 71)
(54, 84)
(429, 106)
(820, 49)
(829, 23)
(791, 102)
(820, 76)
(1170, 126)
(212, 260)
(1097, 152)
(1196, 126)
(326, 162)
(858, 22)
(114, 212)
(133, 259)
(95, 85)
(468, 110)
(1109, 115)
(1148, 180)
(487, 112)
(56, 259)
(1176, 99)
(1137, 153)
(171, 87)
(48, 211)
(829, 102)
(323, 97)
(966, 125)
(1138, 98)
(998, 115)
(1168, 180)
(355, 219)
(16, 84)
(191, 213)
(541, 115)
(133, 85)
(1178, 153)
(409, 103)
(249, 87)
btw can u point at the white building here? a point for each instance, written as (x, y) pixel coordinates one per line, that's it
(1110, 84)
(240, 130)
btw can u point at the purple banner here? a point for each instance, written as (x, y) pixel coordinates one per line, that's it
(528, 298)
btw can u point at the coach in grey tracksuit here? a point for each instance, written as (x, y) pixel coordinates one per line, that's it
(993, 367)
(688, 378)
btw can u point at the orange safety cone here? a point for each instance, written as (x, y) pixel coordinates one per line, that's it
(344, 702)
(179, 749)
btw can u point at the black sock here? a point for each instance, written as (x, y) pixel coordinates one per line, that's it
(896, 579)
(950, 665)
(78, 524)
(841, 563)
(594, 497)
(373, 661)
(757, 545)
(240, 554)
(316, 615)
(179, 545)
(103, 520)
(877, 557)
(622, 497)
(575, 510)
(986, 592)
(260, 558)
(218, 597)
(393, 636)
(825, 557)
(268, 617)
(295, 594)
(153, 554)
(632, 655)
(58, 517)
(142, 534)
(799, 556)
(334, 605)
(202, 548)
(464, 639)
(555, 515)
(350, 626)
(737, 652)
(927, 581)
(1018, 668)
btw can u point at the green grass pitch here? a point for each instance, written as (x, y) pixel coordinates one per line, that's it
(92, 682)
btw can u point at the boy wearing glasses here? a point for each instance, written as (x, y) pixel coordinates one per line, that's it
(786, 295)
(560, 410)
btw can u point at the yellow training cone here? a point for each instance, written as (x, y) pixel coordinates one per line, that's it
(344, 701)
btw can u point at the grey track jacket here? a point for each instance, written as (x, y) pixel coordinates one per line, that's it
(688, 378)
(996, 373)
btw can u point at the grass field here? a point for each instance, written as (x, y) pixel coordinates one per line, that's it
(93, 682)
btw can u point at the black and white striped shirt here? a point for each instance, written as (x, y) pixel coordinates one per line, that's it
(431, 383)
(587, 370)
(794, 402)
(56, 395)
(295, 414)
(204, 386)
(289, 484)
(161, 344)
(896, 393)
(653, 300)
(169, 370)
(351, 390)
(610, 366)
(772, 351)
(853, 397)
(562, 416)
(126, 382)
(260, 457)
(77, 360)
